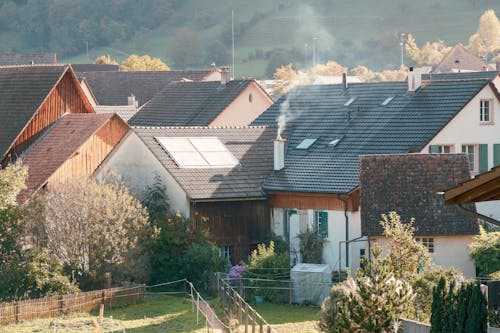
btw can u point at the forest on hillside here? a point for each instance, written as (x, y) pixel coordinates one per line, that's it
(268, 34)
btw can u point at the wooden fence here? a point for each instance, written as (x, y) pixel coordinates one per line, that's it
(54, 306)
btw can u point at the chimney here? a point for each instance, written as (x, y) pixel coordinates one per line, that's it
(225, 75)
(414, 79)
(131, 100)
(279, 153)
(344, 81)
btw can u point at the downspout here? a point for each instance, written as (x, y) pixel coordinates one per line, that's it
(479, 215)
(346, 234)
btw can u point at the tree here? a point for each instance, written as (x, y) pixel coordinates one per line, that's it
(363, 72)
(485, 43)
(94, 227)
(485, 251)
(278, 59)
(12, 181)
(331, 68)
(156, 200)
(185, 48)
(430, 53)
(105, 59)
(413, 51)
(286, 78)
(438, 307)
(311, 246)
(143, 63)
(374, 300)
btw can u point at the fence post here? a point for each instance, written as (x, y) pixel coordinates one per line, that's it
(16, 311)
(261, 328)
(198, 309)
(241, 310)
(61, 304)
(291, 292)
(246, 317)
(268, 329)
(253, 322)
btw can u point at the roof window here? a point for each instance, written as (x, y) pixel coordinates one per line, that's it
(198, 152)
(306, 143)
(387, 100)
(349, 102)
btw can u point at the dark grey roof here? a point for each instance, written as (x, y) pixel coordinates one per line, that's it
(252, 146)
(406, 124)
(22, 91)
(37, 58)
(77, 68)
(460, 76)
(113, 88)
(189, 103)
(410, 184)
(467, 61)
(124, 111)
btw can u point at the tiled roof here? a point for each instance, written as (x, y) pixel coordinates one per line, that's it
(410, 184)
(460, 76)
(189, 103)
(467, 61)
(77, 68)
(57, 145)
(113, 88)
(37, 58)
(406, 124)
(22, 91)
(252, 146)
(124, 111)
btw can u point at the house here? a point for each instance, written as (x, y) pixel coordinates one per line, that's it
(114, 87)
(411, 185)
(326, 128)
(459, 59)
(36, 58)
(214, 172)
(33, 98)
(73, 147)
(225, 103)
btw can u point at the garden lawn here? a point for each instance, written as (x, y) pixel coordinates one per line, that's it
(290, 318)
(157, 314)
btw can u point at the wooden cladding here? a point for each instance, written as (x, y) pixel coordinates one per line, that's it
(64, 98)
(318, 201)
(88, 158)
(240, 225)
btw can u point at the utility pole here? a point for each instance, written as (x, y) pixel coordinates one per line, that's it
(87, 44)
(232, 35)
(305, 56)
(401, 44)
(314, 50)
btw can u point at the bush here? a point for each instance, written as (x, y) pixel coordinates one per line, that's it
(485, 251)
(311, 246)
(199, 263)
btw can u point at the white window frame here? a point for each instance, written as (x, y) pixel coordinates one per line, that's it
(428, 242)
(450, 148)
(474, 162)
(318, 223)
(486, 118)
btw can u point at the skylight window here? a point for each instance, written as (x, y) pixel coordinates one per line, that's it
(199, 152)
(334, 142)
(349, 102)
(306, 143)
(387, 100)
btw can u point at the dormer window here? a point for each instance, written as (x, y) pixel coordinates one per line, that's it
(485, 111)
(387, 100)
(306, 143)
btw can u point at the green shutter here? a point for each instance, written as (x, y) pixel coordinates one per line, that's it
(496, 154)
(324, 223)
(434, 149)
(483, 157)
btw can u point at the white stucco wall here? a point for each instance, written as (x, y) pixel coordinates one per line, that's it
(241, 112)
(449, 251)
(466, 129)
(336, 234)
(137, 165)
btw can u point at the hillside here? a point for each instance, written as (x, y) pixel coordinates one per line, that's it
(350, 32)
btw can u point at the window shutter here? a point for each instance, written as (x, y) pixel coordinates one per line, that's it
(496, 154)
(434, 149)
(324, 223)
(483, 157)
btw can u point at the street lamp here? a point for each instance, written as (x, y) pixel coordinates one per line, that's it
(401, 43)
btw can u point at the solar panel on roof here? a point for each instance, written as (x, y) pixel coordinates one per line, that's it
(199, 152)
(306, 143)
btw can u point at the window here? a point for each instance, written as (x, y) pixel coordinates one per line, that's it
(250, 98)
(286, 223)
(441, 149)
(471, 151)
(428, 242)
(485, 113)
(387, 100)
(321, 223)
(225, 252)
(306, 143)
(349, 102)
(199, 152)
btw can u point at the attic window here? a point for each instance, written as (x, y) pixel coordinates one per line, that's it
(334, 142)
(387, 100)
(199, 152)
(349, 102)
(306, 143)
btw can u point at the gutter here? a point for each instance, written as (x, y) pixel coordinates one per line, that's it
(478, 215)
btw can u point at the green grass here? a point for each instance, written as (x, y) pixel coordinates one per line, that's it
(290, 318)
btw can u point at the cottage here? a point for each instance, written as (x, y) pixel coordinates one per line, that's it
(459, 59)
(215, 172)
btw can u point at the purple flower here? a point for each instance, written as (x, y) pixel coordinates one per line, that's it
(236, 271)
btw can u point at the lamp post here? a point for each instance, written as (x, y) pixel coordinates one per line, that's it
(401, 44)
(314, 50)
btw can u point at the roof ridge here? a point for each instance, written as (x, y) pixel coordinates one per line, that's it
(34, 65)
(203, 127)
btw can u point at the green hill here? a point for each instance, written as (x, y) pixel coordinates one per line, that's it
(350, 32)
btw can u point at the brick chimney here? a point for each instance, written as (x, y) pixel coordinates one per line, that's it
(414, 79)
(279, 153)
(225, 75)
